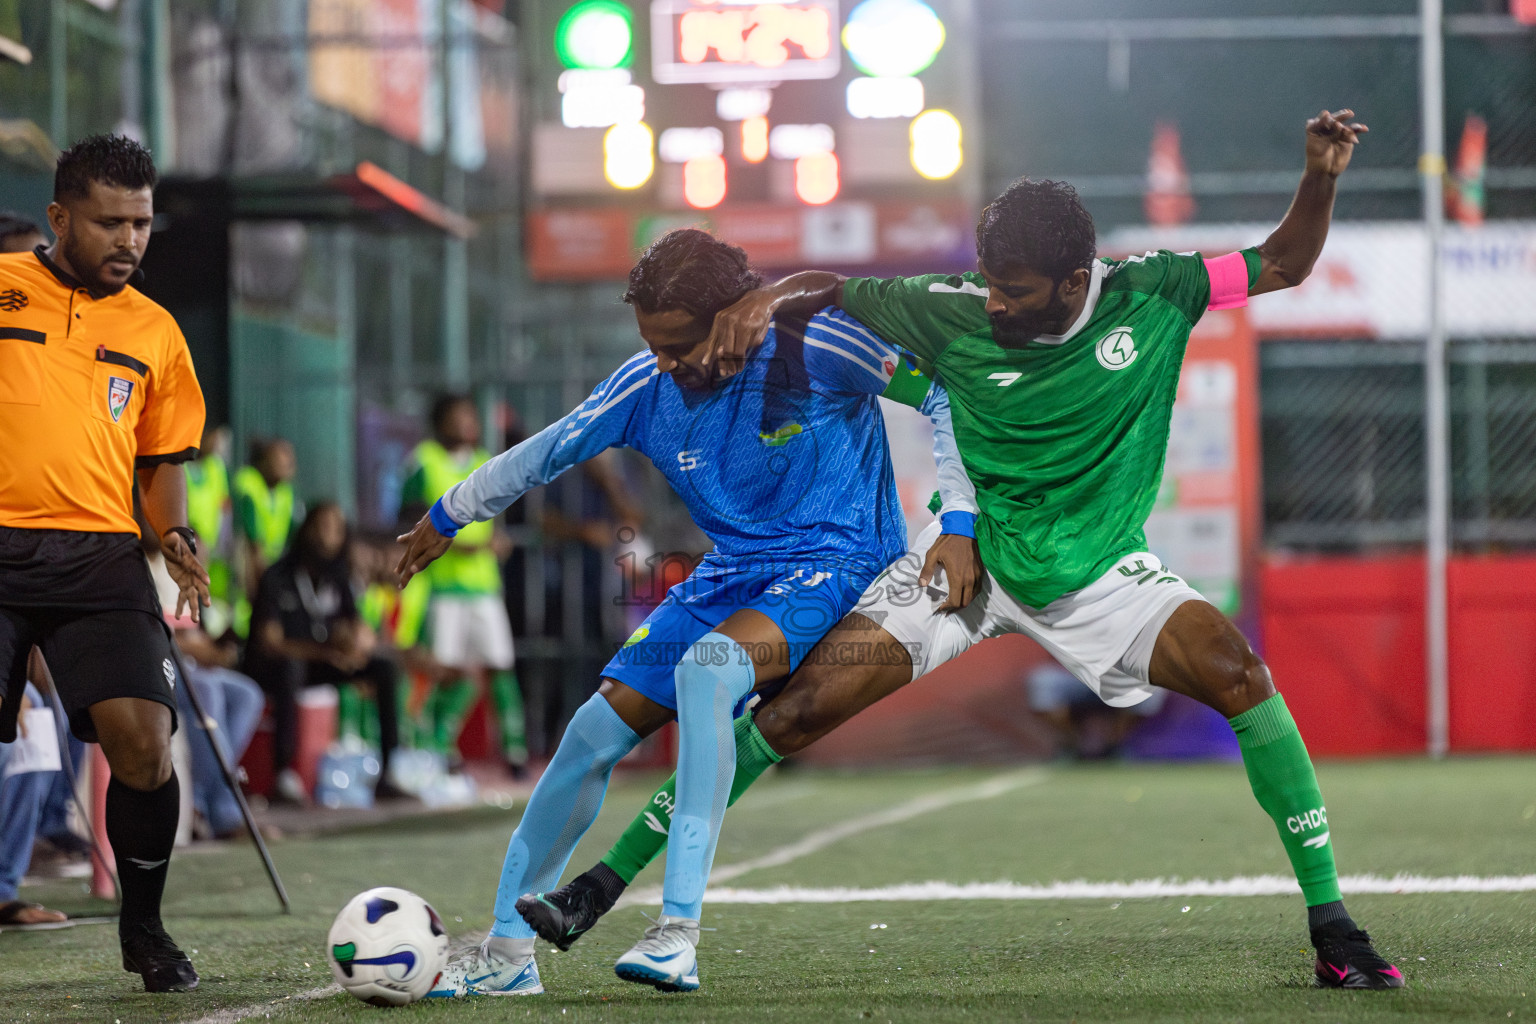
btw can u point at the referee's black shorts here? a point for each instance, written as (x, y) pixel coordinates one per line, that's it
(87, 600)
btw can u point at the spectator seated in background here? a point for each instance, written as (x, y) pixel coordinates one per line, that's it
(232, 702)
(306, 630)
(21, 803)
(1086, 728)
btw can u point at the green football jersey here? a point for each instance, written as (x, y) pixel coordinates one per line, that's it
(1064, 437)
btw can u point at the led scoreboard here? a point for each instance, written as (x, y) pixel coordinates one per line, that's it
(693, 42)
(834, 132)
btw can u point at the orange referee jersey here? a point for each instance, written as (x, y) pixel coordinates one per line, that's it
(91, 387)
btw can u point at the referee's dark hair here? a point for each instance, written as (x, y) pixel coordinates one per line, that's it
(692, 270)
(13, 224)
(110, 159)
(1036, 226)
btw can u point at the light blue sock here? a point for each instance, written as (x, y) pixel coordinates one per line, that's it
(562, 808)
(714, 674)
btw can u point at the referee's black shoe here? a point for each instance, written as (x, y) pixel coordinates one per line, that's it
(1346, 959)
(563, 916)
(151, 953)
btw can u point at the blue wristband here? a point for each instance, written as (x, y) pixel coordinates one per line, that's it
(442, 522)
(959, 523)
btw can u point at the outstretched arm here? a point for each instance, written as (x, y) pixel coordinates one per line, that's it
(1288, 254)
(601, 422)
(739, 328)
(955, 551)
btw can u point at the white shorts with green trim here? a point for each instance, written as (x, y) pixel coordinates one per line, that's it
(470, 631)
(1103, 634)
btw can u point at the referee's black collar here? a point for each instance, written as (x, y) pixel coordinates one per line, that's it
(69, 281)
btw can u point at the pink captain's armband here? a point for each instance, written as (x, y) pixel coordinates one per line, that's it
(1229, 281)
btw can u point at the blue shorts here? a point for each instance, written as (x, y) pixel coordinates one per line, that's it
(804, 603)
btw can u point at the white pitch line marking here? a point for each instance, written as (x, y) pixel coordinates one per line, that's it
(237, 1014)
(813, 842)
(1147, 888)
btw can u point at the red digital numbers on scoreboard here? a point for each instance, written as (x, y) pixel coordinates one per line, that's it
(699, 41)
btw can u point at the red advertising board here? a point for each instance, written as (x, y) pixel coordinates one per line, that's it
(846, 236)
(585, 244)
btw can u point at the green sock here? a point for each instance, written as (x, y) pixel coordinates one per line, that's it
(349, 713)
(451, 703)
(646, 836)
(507, 699)
(1285, 785)
(368, 720)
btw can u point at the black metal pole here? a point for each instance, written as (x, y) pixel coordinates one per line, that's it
(229, 775)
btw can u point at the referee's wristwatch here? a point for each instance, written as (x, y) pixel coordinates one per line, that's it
(187, 534)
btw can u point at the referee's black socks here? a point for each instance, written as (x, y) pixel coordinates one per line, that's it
(142, 829)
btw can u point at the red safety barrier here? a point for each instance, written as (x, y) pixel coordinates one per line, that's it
(1344, 638)
(1493, 653)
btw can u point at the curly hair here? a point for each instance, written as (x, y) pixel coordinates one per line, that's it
(110, 159)
(692, 270)
(1038, 226)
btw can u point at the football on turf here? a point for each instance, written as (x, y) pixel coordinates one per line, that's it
(387, 947)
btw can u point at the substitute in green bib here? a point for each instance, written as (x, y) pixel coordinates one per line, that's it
(267, 515)
(210, 511)
(467, 615)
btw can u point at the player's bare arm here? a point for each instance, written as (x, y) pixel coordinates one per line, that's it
(164, 490)
(423, 546)
(740, 327)
(1288, 254)
(960, 559)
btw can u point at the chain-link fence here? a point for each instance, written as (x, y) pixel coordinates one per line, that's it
(1343, 445)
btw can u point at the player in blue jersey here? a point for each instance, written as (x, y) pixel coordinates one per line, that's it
(785, 467)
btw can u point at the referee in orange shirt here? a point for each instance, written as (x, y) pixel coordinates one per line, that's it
(96, 385)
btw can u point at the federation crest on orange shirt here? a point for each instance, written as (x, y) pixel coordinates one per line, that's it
(119, 391)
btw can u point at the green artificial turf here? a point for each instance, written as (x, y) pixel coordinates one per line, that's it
(1467, 957)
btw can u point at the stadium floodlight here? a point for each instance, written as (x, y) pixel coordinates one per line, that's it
(936, 151)
(595, 34)
(740, 104)
(893, 38)
(885, 97)
(597, 99)
(754, 140)
(629, 155)
(680, 145)
(704, 181)
(793, 141)
(816, 178)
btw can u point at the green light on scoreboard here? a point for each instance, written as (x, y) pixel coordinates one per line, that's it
(595, 35)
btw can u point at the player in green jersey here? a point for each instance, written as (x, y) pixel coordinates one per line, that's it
(1062, 371)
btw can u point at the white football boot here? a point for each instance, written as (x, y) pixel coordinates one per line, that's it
(665, 957)
(483, 972)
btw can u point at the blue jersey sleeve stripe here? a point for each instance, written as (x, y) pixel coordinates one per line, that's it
(624, 375)
(608, 404)
(878, 372)
(857, 327)
(879, 350)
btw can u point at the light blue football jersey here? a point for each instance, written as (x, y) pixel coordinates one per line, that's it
(787, 458)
